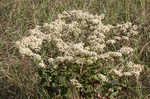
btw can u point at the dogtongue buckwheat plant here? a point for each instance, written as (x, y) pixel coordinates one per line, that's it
(78, 51)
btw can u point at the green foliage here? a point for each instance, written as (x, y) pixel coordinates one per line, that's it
(56, 81)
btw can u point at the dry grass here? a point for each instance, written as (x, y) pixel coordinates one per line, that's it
(18, 78)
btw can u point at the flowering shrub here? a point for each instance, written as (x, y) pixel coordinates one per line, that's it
(78, 51)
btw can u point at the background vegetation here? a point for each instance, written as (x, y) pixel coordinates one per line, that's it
(18, 76)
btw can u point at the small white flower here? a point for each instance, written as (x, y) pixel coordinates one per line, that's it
(111, 42)
(76, 83)
(36, 56)
(103, 77)
(89, 61)
(104, 56)
(95, 21)
(26, 51)
(115, 54)
(127, 74)
(125, 38)
(135, 27)
(51, 61)
(126, 50)
(117, 72)
(60, 59)
(135, 69)
(41, 64)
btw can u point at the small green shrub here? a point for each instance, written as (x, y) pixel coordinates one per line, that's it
(82, 57)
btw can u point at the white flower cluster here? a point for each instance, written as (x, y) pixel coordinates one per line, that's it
(103, 77)
(126, 50)
(76, 83)
(129, 69)
(79, 37)
(34, 41)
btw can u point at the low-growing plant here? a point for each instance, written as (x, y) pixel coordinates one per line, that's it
(81, 57)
